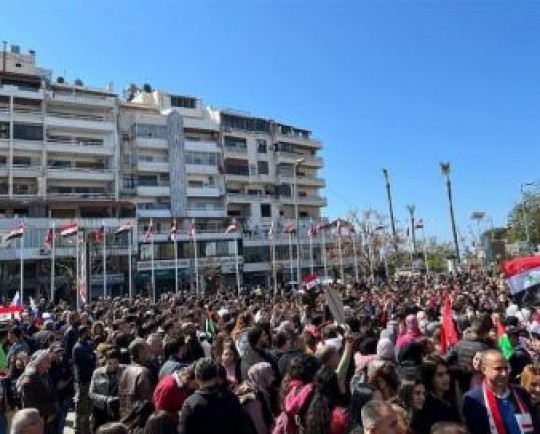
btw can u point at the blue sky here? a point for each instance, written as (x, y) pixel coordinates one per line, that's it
(396, 84)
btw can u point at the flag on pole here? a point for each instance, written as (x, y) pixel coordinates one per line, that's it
(449, 335)
(68, 229)
(289, 228)
(149, 234)
(16, 233)
(191, 230)
(98, 235)
(48, 240)
(33, 306)
(419, 224)
(124, 227)
(271, 231)
(522, 274)
(232, 227)
(16, 299)
(172, 236)
(503, 341)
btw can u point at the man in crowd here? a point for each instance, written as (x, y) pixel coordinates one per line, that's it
(84, 362)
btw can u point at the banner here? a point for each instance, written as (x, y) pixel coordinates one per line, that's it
(335, 304)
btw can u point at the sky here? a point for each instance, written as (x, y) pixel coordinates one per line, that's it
(395, 84)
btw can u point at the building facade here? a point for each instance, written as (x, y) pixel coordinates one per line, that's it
(71, 151)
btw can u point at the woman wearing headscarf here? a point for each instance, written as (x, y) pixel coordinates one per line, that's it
(255, 396)
(412, 332)
(36, 388)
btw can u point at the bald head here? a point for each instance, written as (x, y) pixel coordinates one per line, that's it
(496, 370)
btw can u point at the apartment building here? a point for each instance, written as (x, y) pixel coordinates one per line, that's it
(69, 150)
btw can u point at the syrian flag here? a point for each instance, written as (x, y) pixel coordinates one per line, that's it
(312, 281)
(15, 233)
(68, 229)
(523, 278)
(321, 226)
(172, 236)
(192, 231)
(48, 240)
(289, 228)
(419, 224)
(99, 234)
(124, 227)
(232, 227)
(149, 234)
(271, 231)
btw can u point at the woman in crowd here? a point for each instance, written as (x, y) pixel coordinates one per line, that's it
(386, 381)
(240, 331)
(411, 397)
(231, 362)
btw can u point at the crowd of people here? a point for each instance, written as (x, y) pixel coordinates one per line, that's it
(279, 364)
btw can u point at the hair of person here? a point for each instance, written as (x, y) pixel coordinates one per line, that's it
(172, 346)
(406, 392)
(113, 428)
(326, 393)
(243, 321)
(361, 394)
(388, 374)
(371, 413)
(255, 334)
(24, 418)
(429, 370)
(489, 353)
(448, 428)
(113, 353)
(229, 346)
(303, 368)
(206, 369)
(159, 423)
(136, 347)
(527, 376)
(280, 339)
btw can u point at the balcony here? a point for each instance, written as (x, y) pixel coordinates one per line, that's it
(153, 166)
(153, 190)
(161, 212)
(312, 200)
(24, 145)
(201, 146)
(202, 169)
(24, 171)
(207, 212)
(27, 114)
(21, 91)
(87, 99)
(247, 198)
(206, 191)
(313, 162)
(81, 121)
(299, 140)
(80, 173)
(303, 180)
(150, 143)
(234, 150)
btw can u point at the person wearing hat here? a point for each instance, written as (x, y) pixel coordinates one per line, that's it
(84, 361)
(36, 388)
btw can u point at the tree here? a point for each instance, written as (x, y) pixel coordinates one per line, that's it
(526, 210)
(445, 171)
(437, 254)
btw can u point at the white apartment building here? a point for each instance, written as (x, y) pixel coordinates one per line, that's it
(68, 150)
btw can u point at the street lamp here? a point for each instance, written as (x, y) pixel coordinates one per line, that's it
(525, 215)
(298, 263)
(411, 209)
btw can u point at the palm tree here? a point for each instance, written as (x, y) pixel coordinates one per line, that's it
(389, 196)
(445, 170)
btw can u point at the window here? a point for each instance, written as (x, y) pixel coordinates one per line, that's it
(266, 210)
(303, 214)
(147, 180)
(22, 161)
(262, 167)
(201, 158)
(183, 101)
(150, 131)
(235, 143)
(3, 160)
(4, 130)
(261, 146)
(27, 132)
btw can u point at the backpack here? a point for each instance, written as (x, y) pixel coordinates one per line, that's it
(290, 420)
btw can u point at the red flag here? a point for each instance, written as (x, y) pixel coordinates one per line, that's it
(48, 240)
(449, 335)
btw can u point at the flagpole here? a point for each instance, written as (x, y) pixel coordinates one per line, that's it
(77, 270)
(194, 234)
(175, 264)
(153, 268)
(53, 259)
(385, 246)
(237, 264)
(104, 253)
(355, 257)
(21, 247)
(274, 271)
(291, 256)
(130, 236)
(324, 253)
(425, 250)
(312, 267)
(341, 272)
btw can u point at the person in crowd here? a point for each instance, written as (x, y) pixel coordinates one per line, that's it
(155, 345)
(27, 421)
(36, 389)
(411, 397)
(212, 408)
(159, 423)
(448, 428)
(496, 406)
(240, 332)
(530, 381)
(378, 417)
(256, 352)
(174, 352)
(255, 396)
(98, 335)
(173, 389)
(61, 376)
(103, 391)
(18, 344)
(386, 380)
(361, 394)
(84, 362)
(135, 386)
(230, 360)
(113, 428)
(412, 332)
(71, 333)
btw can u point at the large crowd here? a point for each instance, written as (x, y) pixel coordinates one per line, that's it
(261, 363)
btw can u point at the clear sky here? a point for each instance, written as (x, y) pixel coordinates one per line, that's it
(396, 84)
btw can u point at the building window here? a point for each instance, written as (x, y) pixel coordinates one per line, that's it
(303, 214)
(150, 131)
(201, 158)
(183, 101)
(262, 167)
(27, 132)
(235, 143)
(266, 210)
(261, 146)
(4, 130)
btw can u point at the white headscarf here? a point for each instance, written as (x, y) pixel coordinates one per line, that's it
(30, 369)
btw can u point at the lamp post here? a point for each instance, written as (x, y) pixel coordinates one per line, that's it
(525, 214)
(298, 260)
(411, 209)
(445, 171)
(390, 206)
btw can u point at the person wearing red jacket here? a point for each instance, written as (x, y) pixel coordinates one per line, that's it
(173, 390)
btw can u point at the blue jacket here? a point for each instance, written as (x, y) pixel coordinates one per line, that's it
(475, 412)
(84, 360)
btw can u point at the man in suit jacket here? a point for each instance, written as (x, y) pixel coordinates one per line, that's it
(495, 407)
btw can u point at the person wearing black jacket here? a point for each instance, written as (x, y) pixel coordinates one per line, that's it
(212, 408)
(61, 376)
(84, 361)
